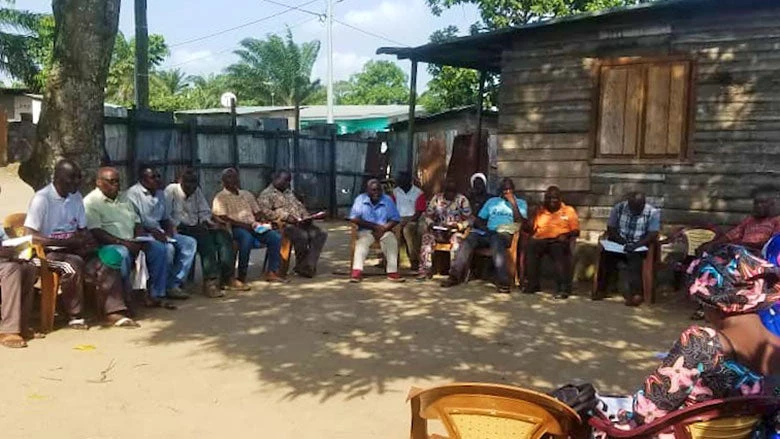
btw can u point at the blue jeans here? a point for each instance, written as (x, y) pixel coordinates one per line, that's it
(184, 249)
(157, 264)
(164, 275)
(247, 241)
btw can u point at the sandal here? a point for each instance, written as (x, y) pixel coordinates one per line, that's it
(422, 277)
(122, 322)
(78, 323)
(31, 334)
(13, 341)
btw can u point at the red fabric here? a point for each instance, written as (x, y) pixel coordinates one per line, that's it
(421, 204)
(754, 232)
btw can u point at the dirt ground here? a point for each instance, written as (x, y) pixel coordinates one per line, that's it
(315, 358)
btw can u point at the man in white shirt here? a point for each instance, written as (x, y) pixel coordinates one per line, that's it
(191, 215)
(57, 220)
(406, 194)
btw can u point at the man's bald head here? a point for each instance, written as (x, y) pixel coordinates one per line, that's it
(108, 182)
(67, 177)
(374, 190)
(231, 180)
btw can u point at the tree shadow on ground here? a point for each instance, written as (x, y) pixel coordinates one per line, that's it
(327, 338)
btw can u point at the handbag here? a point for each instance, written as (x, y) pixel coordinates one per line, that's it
(581, 398)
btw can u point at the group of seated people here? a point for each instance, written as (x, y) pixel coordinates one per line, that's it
(98, 240)
(467, 222)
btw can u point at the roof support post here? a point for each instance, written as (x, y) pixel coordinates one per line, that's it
(412, 107)
(480, 104)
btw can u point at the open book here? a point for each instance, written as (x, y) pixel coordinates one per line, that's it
(614, 247)
(22, 246)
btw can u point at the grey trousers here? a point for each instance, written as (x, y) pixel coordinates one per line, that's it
(16, 287)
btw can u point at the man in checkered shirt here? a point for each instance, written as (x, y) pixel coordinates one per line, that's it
(635, 224)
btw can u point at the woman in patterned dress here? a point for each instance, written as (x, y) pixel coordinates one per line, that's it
(447, 217)
(729, 358)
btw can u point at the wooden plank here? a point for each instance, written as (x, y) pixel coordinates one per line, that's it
(543, 93)
(570, 169)
(621, 188)
(507, 141)
(542, 183)
(534, 76)
(657, 110)
(703, 201)
(574, 123)
(547, 107)
(733, 136)
(633, 111)
(506, 155)
(612, 110)
(678, 103)
(726, 148)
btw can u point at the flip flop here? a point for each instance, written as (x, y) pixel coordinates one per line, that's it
(126, 322)
(9, 341)
(79, 324)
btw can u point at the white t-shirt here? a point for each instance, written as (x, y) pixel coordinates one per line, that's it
(405, 200)
(54, 216)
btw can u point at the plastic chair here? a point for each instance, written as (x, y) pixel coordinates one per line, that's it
(692, 239)
(729, 418)
(50, 280)
(491, 411)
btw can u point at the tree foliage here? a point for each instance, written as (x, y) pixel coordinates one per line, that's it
(121, 81)
(380, 83)
(496, 14)
(18, 38)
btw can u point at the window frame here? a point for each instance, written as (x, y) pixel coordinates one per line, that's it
(686, 152)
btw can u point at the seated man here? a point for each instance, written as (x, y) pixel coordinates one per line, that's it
(447, 217)
(632, 223)
(278, 203)
(115, 224)
(56, 219)
(552, 226)
(148, 200)
(406, 195)
(494, 227)
(16, 298)
(375, 215)
(191, 215)
(239, 208)
(754, 231)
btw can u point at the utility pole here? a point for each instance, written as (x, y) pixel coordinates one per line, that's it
(141, 56)
(329, 24)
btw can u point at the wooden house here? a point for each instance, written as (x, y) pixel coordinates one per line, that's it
(677, 98)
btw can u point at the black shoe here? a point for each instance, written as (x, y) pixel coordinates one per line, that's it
(449, 282)
(504, 289)
(531, 290)
(561, 296)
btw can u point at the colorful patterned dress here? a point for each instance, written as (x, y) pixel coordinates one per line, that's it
(441, 212)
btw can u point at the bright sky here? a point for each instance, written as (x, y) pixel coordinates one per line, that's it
(403, 22)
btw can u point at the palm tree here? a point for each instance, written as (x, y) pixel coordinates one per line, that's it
(172, 81)
(17, 39)
(278, 68)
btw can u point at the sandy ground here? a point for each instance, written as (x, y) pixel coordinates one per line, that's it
(314, 359)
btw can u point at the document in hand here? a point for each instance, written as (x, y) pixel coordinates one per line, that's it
(22, 246)
(614, 247)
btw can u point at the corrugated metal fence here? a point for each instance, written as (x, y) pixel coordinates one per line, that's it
(329, 171)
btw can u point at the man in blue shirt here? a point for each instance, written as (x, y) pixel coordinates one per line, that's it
(375, 215)
(497, 222)
(148, 200)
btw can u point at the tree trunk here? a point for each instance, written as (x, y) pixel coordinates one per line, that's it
(71, 124)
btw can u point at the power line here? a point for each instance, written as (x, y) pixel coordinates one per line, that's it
(250, 23)
(369, 33)
(228, 49)
(322, 16)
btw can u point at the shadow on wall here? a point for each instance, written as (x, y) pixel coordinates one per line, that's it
(328, 338)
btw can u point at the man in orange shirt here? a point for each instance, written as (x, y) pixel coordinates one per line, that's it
(553, 227)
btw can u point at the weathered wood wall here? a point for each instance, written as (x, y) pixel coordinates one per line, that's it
(546, 121)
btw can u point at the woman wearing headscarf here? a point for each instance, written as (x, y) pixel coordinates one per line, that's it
(732, 355)
(478, 194)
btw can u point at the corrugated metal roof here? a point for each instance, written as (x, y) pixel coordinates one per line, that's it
(317, 112)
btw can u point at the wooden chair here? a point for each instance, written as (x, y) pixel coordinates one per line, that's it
(374, 246)
(601, 278)
(730, 418)
(491, 411)
(444, 247)
(515, 254)
(50, 280)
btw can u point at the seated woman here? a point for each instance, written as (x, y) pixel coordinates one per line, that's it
(732, 356)
(448, 215)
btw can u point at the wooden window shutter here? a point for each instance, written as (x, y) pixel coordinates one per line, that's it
(666, 109)
(620, 110)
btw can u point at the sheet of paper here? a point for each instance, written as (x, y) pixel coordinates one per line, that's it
(614, 247)
(13, 242)
(143, 239)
